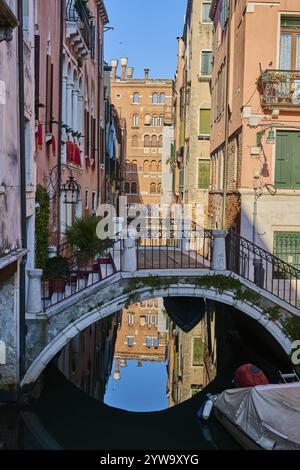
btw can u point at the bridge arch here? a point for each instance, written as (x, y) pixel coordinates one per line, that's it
(65, 324)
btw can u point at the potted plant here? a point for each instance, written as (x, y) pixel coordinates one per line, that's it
(56, 273)
(82, 237)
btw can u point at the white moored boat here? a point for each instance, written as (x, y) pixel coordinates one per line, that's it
(262, 417)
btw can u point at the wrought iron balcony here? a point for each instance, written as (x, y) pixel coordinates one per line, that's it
(80, 27)
(280, 89)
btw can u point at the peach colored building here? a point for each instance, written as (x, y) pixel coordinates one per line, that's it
(256, 122)
(146, 104)
(70, 104)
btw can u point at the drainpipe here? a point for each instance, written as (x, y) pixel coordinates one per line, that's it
(60, 105)
(223, 225)
(22, 279)
(99, 131)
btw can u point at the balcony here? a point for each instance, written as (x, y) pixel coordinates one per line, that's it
(8, 21)
(280, 89)
(80, 28)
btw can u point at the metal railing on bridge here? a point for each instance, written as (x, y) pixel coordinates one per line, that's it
(263, 269)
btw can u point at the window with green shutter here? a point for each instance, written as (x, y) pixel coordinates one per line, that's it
(204, 123)
(197, 352)
(287, 247)
(203, 174)
(287, 167)
(206, 62)
(181, 178)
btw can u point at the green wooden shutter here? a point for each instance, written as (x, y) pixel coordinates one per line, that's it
(204, 124)
(206, 64)
(284, 151)
(203, 174)
(295, 176)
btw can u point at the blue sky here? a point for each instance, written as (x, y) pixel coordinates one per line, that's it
(145, 31)
(139, 388)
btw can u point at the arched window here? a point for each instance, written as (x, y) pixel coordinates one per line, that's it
(155, 98)
(162, 98)
(161, 120)
(159, 188)
(146, 166)
(154, 141)
(155, 120)
(160, 141)
(134, 167)
(136, 98)
(153, 166)
(133, 188)
(127, 188)
(135, 120)
(147, 142)
(147, 120)
(127, 166)
(159, 166)
(153, 188)
(135, 141)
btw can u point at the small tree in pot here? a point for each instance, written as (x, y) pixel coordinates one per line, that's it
(82, 236)
(56, 273)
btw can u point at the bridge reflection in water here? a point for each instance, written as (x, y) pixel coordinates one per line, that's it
(140, 360)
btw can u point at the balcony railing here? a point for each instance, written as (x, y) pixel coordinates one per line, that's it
(280, 88)
(77, 12)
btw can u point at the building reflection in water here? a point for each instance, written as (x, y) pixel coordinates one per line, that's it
(143, 347)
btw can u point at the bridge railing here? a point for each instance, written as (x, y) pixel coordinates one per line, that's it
(263, 268)
(76, 272)
(174, 248)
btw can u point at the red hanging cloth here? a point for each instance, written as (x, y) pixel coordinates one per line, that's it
(53, 143)
(77, 158)
(40, 135)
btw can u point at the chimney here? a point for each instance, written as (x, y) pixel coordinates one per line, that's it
(130, 71)
(114, 66)
(124, 61)
(147, 74)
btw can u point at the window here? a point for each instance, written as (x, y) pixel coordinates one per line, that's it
(127, 188)
(152, 188)
(159, 188)
(133, 188)
(155, 98)
(195, 389)
(159, 167)
(146, 166)
(152, 342)
(93, 201)
(134, 166)
(287, 165)
(161, 120)
(162, 98)
(155, 120)
(290, 43)
(287, 247)
(204, 123)
(26, 19)
(206, 62)
(130, 340)
(118, 96)
(205, 13)
(154, 141)
(135, 141)
(136, 98)
(153, 168)
(148, 342)
(147, 120)
(86, 199)
(197, 352)
(28, 152)
(203, 174)
(224, 13)
(147, 142)
(135, 120)
(130, 319)
(160, 141)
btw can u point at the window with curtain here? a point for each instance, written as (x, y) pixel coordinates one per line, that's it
(135, 141)
(203, 174)
(135, 120)
(205, 12)
(162, 98)
(204, 123)
(136, 98)
(206, 62)
(290, 43)
(154, 141)
(153, 166)
(155, 98)
(146, 166)
(159, 168)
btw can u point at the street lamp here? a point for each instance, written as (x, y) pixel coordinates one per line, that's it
(70, 189)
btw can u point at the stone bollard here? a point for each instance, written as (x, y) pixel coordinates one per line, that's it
(186, 235)
(129, 252)
(34, 296)
(219, 250)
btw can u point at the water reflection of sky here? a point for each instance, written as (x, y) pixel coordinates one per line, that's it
(139, 388)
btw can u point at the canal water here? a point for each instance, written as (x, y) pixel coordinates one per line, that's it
(136, 380)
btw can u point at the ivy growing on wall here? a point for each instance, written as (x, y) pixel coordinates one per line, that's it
(41, 227)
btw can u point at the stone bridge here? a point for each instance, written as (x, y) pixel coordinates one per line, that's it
(138, 272)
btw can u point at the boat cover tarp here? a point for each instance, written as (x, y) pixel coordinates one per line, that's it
(268, 414)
